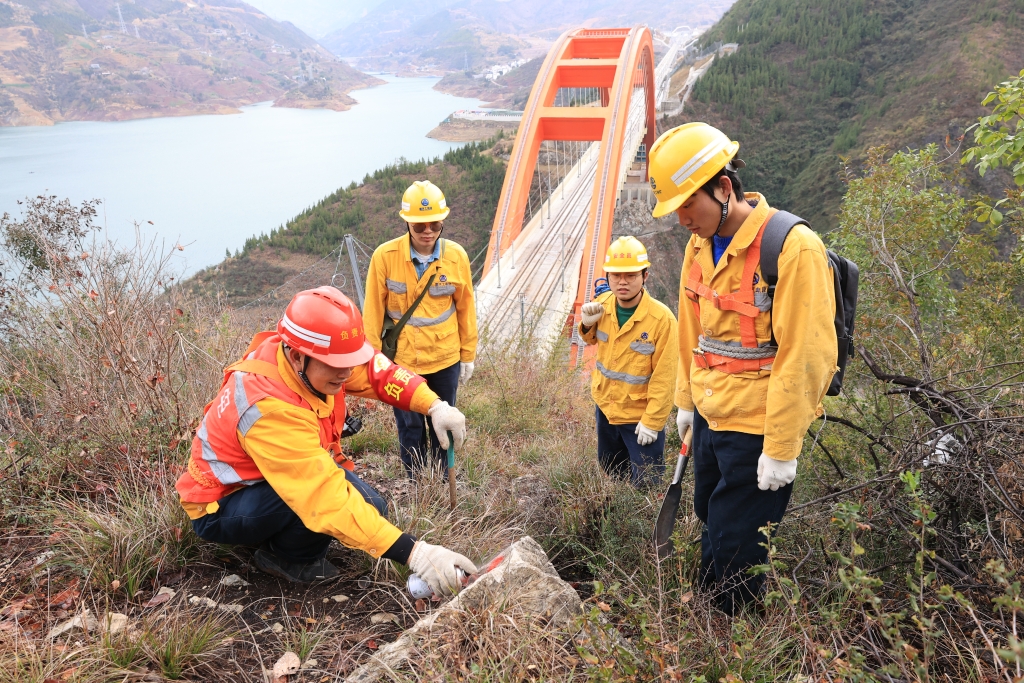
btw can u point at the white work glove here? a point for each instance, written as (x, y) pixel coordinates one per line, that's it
(447, 419)
(684, 419)
(436, 565)
(774, 474)
(644, 435)
(591, 313)
(465, 372)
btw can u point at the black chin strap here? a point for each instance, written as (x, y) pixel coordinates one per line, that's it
(305, 380)
(725, 214)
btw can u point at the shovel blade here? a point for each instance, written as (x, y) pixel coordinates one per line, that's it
(667, 521)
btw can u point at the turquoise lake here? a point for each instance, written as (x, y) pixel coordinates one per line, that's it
(210, 182)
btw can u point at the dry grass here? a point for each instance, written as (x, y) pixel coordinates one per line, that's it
(852, 597)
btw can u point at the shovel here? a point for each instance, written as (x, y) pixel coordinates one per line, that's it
(451, 471)
(670, 505)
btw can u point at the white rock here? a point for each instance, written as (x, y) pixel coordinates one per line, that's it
(277, 628)
(524, 579)
(42, 559)
(383, 617)
(202, 602)
(339, 598)
(233, 609)
(164, 590)
(234, 580)
(310, 664)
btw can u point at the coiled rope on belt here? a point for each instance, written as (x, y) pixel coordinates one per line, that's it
(728, 350)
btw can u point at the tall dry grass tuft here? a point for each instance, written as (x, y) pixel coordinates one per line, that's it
(105, 363)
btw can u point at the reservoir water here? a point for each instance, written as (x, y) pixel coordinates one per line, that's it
(210, 182)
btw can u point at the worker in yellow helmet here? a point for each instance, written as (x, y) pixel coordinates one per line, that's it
(419, 312)
(634, 378)
(754, 363)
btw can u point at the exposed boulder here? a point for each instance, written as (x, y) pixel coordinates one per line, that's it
(523, 582)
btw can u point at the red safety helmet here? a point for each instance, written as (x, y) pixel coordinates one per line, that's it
(324, 324)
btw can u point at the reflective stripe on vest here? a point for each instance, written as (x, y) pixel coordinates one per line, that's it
(424, 322)
(218, 464)
(622, 376)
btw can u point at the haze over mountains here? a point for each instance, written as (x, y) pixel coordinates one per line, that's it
(456, 34)
(317, 17)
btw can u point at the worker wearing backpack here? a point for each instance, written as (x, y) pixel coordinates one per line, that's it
(419, 312)
(753, 367)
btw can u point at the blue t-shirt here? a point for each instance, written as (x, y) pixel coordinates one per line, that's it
(421, 262)
(718, 247)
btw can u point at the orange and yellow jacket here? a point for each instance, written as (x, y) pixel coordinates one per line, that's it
(781, 402)
(265, 425)
(442, 331)
(634, 377)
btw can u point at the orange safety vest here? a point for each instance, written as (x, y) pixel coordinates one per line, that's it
(218, 464)
(740, 302)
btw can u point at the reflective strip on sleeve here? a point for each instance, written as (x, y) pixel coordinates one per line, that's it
(763, 301)
(424, 322)
(645, 348)
(602, 336)
(622, 376)
(395, 286)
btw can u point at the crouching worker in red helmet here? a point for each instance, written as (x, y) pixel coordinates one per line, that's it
(266, 468)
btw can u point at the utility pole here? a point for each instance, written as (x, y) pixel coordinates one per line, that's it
(120, 18)
(136, 27)
(522, 312)
(356, 280)
(84, 32)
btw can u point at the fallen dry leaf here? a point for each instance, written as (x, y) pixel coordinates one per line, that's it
(287, 666)
(604, 607)
(372, 644)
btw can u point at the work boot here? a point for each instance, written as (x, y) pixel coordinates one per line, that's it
(296, 572)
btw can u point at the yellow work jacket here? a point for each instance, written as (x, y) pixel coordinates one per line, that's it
(634, 377)
(779, 403)
(442, 331)
(285, 445)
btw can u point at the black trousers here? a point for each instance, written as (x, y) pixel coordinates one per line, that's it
(621, 456)
(256, 516)
(414, 428)
(727, 500)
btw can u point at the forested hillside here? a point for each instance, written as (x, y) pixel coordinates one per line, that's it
(814, 80)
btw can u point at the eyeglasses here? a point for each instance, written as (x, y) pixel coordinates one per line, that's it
(420, 228)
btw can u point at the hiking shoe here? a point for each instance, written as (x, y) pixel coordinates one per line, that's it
(296, 572)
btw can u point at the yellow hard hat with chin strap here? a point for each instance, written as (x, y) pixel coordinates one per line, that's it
(626, 255)
(423, 202)
(685, 158)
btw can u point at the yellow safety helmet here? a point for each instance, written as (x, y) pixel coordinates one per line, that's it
(626, 255)
(423, 202)
(685, 158)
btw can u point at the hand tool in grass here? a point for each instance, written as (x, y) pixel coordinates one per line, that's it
(451, 469)
(670, 505)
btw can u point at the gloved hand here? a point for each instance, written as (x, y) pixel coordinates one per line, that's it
(684, 419)
(465, 372)
(774, 474)
(436, 565)
(644, 435)
(591, 313)
(447, 419)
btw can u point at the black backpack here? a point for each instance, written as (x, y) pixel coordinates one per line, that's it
(845, 278)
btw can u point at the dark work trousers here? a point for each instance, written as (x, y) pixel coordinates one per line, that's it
(413, 427)
(256, 516)
(727, 500)
(621, 456)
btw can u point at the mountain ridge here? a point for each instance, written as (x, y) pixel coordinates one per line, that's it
(62, 60)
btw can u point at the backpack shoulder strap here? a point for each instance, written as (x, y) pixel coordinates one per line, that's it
(775, 234)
